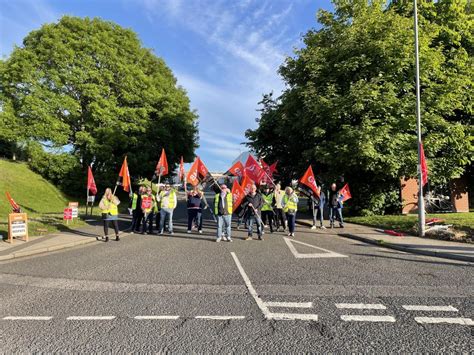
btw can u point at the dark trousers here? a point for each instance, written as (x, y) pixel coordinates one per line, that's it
(137, 216)
(157, 220)
(114, 224)
(194, 214)
(148, 221)
(291, 218)
(268, 216)
(280, 218)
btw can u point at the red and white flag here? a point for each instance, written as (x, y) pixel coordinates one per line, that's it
(253, 170)
(237, 169)
(308, 180)
(91, 186)
(344, 193)
(247, 184)
(162, 166)
(124, 176)
(238, 195)
(181, 170)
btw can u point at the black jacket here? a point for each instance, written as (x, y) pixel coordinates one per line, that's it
(256, 201)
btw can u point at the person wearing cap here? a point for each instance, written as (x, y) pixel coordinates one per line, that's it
(223, 211)
(253, 203)
(280, 219)
(194, 202)
(168, 201)
(289, 203)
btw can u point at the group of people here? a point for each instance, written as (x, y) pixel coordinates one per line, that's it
(269, 208)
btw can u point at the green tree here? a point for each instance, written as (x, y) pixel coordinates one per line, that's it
(90, 85)
(350, 103)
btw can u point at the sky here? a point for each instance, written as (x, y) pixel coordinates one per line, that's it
(225, 54)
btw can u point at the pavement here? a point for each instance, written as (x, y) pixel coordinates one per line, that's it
(317, 292)
(410, 244)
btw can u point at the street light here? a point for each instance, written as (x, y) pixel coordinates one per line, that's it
(421, 202)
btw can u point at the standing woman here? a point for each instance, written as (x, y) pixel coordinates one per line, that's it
(280, 219)
(109, 207)
(194, 209)
(289, 203)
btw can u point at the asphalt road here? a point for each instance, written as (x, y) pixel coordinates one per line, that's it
(151, 293)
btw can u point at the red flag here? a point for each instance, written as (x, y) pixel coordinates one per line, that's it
(253, 170)
(16, 208)
(309, 181)
(424, 166)
(344, 193)
(238, 195)
(273, 167)
(181, 170)
(125, 175)
(237, 169)
(247, 184)
(91, 186)
(192, 176)
(201, 168)
(162, 166)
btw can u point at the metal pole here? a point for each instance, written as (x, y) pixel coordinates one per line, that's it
(421, 202)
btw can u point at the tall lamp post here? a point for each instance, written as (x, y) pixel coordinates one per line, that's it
(421, 201)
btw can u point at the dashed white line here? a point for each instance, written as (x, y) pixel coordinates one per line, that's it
(155, 317)
(90, 318)
(28, 318)
(293, 316)
(430, 308)
(434, 320)
(365, 318)
(220, 317)
(289, 304)
(360, 306)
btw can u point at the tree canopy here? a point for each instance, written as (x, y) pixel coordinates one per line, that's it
(90, 85)
(349, 103)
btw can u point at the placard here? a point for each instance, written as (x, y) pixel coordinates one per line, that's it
(67, 214)
(74, 206)
(91, 199)
(17, 226)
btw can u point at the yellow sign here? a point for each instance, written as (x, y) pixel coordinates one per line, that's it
(17, 226)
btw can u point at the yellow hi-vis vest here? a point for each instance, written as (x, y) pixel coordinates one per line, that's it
(109, 207)
(134, 201)
(228, 202)
(290, 203)
(171, 199)
(267, 202)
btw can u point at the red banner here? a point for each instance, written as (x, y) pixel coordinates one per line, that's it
(253, 170)
(125, 175)
(309, 181)
(237, 169)
(192, 176)
(162, 166)
(238, 195)
(15, 206)
(181, 170)
(424, 166)
(247, 184)
(344, 193)
(91, 182)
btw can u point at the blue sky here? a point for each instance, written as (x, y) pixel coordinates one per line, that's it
(224, 53)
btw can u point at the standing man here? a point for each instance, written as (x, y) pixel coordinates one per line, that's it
(168, 201)
(280, 215)
(290, 206)
(223, 211)
(335, 206)
(318, 211)
(148, 208)
(253, 202)
(267, 208)
(194, 201)
(136, 207)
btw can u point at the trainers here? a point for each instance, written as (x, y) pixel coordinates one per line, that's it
(161, 232)
(323, 227)
(313, 227)
(225, 238)
(248, 238)
(218, 240)
(200, 231)
(188, 231)
(132, 232)
(292, 234)
(229, 240)
(171, 233)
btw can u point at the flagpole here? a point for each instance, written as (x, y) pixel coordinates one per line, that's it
(421, 201)
(87, 199)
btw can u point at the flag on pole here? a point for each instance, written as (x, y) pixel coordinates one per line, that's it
(247, 184)
(202, 170)
(344, 193)
(309, 181)
(15, 206)
(91, 186)
(192, 176)
(273, 168)
(162, 166)
(181, 170)
(238, 195)
(253, 170)
(124, 176)
(424, 166)
(237, 169)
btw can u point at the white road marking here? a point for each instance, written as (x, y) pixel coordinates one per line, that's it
(90, 318)
(325, 254)
(361, 318)
(220, 317)
(433, 320)
(28, 318)
(430, 308)
(155, 317)
(289, 304)
(293, 316)
(360, 306)
(263, 305)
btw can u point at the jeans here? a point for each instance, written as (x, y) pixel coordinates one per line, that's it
(148, 221)
(318, 212)
(166, 212)
(335, 213)
(224, 222)
(250, 222)
(194, 214)
(268, 216)
(106, 226)
(291, 218)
